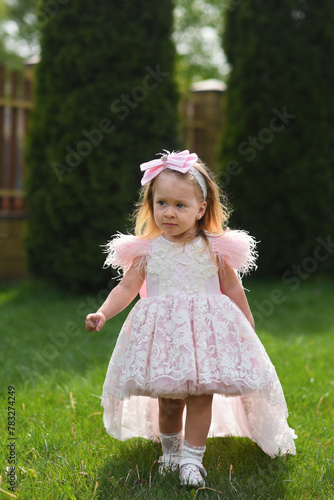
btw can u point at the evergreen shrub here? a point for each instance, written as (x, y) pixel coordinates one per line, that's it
(106, 101)
(277, 152)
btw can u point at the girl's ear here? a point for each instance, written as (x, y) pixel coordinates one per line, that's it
(201, 210)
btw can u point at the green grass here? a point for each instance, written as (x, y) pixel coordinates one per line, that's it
(58, 369)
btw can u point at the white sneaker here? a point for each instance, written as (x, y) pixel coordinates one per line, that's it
(191, 471)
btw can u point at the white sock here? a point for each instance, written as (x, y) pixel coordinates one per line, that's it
(171, 447)
(191, 451)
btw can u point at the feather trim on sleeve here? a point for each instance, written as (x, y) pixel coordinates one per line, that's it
(236, 248)
(123, 249)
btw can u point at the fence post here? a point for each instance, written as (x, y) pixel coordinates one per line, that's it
(203, 116)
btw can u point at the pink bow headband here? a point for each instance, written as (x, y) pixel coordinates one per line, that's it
(181, 162)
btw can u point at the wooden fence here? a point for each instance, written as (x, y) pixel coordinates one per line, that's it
(15, 106)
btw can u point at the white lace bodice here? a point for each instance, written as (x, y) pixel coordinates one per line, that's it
(174, 268)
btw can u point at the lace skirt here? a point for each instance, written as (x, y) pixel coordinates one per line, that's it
(176, 347)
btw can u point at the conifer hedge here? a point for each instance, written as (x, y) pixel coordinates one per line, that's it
(105, 102)
(277, 154)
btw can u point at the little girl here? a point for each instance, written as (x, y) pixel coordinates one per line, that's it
(189, 342)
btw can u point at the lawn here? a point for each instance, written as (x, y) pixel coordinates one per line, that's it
(57, 369)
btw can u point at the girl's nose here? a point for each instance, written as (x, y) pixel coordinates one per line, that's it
(169, 212)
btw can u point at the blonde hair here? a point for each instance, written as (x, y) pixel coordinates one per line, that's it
(214, 220)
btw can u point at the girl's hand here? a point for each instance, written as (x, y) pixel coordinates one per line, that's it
(95, 321)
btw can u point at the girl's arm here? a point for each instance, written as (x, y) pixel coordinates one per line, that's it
(231, 286)
(118, 299)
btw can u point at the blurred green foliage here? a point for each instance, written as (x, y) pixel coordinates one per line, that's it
(197, 29)
(278, 145)
(106, 101)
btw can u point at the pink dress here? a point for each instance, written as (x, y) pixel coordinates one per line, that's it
(186, 338)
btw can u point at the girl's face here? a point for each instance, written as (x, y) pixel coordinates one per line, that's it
(176, 207)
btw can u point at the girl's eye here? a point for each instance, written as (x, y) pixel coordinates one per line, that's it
(180, 205)
(161, 202)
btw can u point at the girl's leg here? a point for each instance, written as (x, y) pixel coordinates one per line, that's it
(170, 415)
(198, 419)
(170, 425)
(198, 422)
